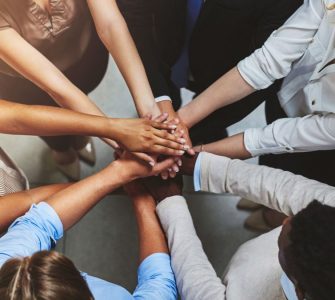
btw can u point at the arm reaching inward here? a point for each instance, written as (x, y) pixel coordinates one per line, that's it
(45, 222)
(155, 276)
(132, 134)
(277, 189)
(258, 71)
(196, 278)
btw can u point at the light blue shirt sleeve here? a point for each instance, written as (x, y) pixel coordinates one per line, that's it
(37, 230)
(104, 290)
(197, 174)
(156, 279)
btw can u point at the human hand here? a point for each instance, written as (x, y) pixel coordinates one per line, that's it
(130, 167)
(149, 136)
(188, 164)
(179, 132)
(161, 189)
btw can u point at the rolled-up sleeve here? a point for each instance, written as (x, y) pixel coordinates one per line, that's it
(285, 46)
(156, 279)
(37, 230)
(288, 135)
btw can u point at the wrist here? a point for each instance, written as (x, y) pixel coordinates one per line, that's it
(166, 107)
(151, 109)
(122, 173)
(112, 128)
(185, 117)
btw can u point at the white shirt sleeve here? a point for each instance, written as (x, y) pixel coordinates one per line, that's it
(309, 133)
(285, 46)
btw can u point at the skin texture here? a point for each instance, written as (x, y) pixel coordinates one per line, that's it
(232, 147)
(114, 33)
(14, 205)
(181, 131)
(72, 203)
(133, 134)
(283, 242)
(228, 89)
(151, 236)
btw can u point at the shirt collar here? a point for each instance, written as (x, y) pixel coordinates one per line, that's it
(288, 288)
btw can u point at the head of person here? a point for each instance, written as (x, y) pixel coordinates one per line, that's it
(306, 252)
(47, 275)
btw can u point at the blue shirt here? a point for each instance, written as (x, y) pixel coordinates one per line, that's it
(288, 288)
(197, 174)
(40, 228)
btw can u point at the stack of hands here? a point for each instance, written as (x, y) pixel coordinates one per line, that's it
(156, 141)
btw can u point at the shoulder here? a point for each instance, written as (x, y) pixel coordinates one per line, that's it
(104, 290)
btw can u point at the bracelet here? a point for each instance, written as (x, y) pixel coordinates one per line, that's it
(202, 148)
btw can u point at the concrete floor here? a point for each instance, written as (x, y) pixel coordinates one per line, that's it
(104, 243)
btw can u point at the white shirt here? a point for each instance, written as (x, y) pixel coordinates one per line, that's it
(300, 51)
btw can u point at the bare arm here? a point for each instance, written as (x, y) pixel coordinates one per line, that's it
(132, 134)
(114, 33)
(15, 205)
(232, 147)
(29, 64)
(73, 203)
(151, 236)
(230, 88)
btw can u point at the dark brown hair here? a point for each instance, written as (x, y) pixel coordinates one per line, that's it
(47, 275)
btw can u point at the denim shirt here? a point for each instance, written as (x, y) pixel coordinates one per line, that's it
(40, 228)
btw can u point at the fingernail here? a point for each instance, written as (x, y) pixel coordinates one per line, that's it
(176, 169)
(186, 147)
(183, 141)
(169, 169)
(173, 126)
(179, 162)
(181, 152)
(173, 131)
(182, 131)
(151, 163)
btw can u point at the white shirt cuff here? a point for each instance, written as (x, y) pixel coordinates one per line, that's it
(197, 174)
(162, 98)
(260, 141)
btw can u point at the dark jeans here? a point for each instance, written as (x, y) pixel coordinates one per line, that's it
(158, 29)
(86, 75)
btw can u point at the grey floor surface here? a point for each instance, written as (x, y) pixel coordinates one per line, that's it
(104, 243)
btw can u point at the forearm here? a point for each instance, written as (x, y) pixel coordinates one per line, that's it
(230, 88)
(51, 121)
(118, 41)
(151, 237)
(232, 147)
(74, 202)
(195, 276)
(15, 205)
(274, 188)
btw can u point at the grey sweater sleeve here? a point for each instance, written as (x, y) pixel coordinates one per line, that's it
(195, 276)
(277, 189)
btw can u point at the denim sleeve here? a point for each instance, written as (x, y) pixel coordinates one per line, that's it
(156, 279)
(37, 230)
